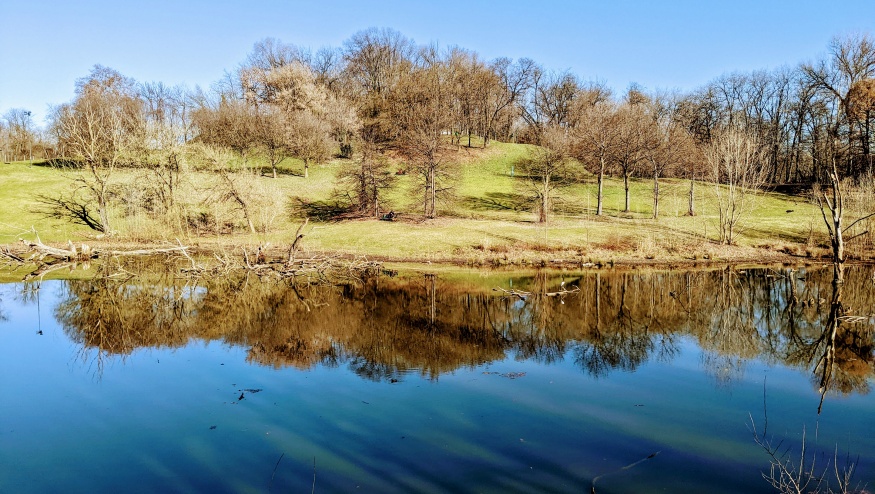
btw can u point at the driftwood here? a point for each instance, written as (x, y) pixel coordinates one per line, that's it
(49, 258)
(317, 266)
(85, 252)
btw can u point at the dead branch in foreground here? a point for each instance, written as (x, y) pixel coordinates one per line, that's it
(85, 252)
(322, 268)
(315, 266)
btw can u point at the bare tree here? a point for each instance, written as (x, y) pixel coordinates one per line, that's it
(236, 185)
(832, 208)
(103, 129)
(4, 140)
(230, 123)
(852, 60)
(167, 127)
(20, 134)
(546, 169)
(861, 109)
(636, 137)
(550, 102)
(514, 80)
(673, 148)
(469, 87)
(296, 115)
(738, 169)
(422, 108)
(310, 139)
(274, 136)
(376, 61)
(595, 138)
(367, 180)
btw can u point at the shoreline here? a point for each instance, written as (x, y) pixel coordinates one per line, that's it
(525, 259)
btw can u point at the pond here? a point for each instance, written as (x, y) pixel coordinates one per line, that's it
(600, 381)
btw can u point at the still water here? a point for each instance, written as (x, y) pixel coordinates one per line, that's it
(564, 382)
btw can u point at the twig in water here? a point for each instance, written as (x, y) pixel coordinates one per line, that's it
(313, 490)
(627, 467)
(274, 471)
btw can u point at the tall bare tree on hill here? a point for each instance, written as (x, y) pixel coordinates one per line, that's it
(514, 81)
(102, 128)
(546, 169)
(637, 136)
(595, 139)
(852, 60)
(423, 110)
(376, 61)
(738, 163)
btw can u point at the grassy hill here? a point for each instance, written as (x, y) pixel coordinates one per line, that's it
(489, 220)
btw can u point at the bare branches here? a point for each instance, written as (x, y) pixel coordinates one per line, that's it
(294, 247)
(738, 166)
(789, 475)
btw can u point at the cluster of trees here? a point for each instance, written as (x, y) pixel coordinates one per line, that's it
(21, 139)
(380, 93)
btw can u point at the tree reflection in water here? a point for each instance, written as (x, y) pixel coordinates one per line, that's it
(385, 327)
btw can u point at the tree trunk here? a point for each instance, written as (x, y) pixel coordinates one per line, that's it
(246, 214)
(599, 197)
(691, 211)
(626, 187)
(545, 200)
(655, 195)
(104, 216)
(433, 193)
(103, 207)
(866, 158)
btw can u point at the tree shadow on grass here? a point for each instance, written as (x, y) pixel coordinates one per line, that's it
(768, 234)
(497, 201)
(60, 163)
(320, 210)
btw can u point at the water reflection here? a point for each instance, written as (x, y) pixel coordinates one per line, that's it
(386, 327)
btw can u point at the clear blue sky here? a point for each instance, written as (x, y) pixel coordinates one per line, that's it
(47, 45)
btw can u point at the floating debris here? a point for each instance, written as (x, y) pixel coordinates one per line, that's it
(509, 375)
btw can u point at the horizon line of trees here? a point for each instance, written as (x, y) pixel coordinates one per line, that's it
(381, 93)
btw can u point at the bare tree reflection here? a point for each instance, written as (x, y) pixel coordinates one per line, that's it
(386, 327)
(634, 318)
(845, 353)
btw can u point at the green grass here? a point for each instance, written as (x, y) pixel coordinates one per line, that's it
(489, 219)
(20, 185)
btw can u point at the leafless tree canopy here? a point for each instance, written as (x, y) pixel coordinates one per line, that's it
(381, 96)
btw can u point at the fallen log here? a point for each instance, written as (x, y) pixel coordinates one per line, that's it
(66, 254)
(85, 252)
